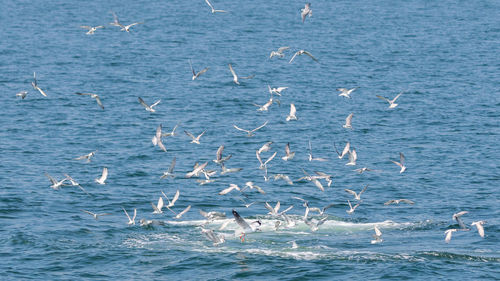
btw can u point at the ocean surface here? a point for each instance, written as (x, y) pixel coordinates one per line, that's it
(443, 56)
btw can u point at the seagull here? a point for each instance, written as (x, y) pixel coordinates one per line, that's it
(96, 97)
(326, 177)
(352, 209)
(219, 160)
(353, 156)
(303, 52)
(321, 211)
(314, 224)
(22, 94)
(306, 11)
(346, 92)
(250, 133)
(196, 75)
(115, 22)
(56, 185)
(214, 10)
(217, 239)
(344, 152)
(266, 147)
(392, 103)
(130, 220)
(75, 183)
(229, 170)
(377, 236)
(356, 195)
(292, 115)
(123, 27)
(276, 90)
(86, 156)
(311, 158)
(231, 187)
(149, 107)
(348, 122)
(364, 169)
(195, 139)
(210, 216)
(179, 215)
(103, 177)
(250, 185)
(397, 201)
(313, 179)
(170, 171)
(35, 85)
(264, 164)
(479, 226)
(283, 177)
(265, 106)
(157, 138)
(279, 52)
(157, 208)
(91, 29)
(459, 220)
(448, 233)
(289, 155)
(170, 134)
(401, 163)
(274, 211)
(95, 215)
(235, 77)
(197, 170)
(245, 227)
(171, 203)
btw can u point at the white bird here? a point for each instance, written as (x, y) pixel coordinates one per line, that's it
(172, 133)
(86, 156)
(96, 97)
(265, 106)
(123, 27)
(401, 163)
(459, 220)
(56, 185)
(353, 156)
(283, 177)
(91, 29)
(103, 177)
(392, 103)
(276, 90)
(195, 139)
(170, 171)
(131, 221)
(34, 84)
(279, 52)
(448, 233)
(95, 215)
(148, 107)
(22, 94)
(251, 132)
(263, 165)
(303, 52)
(214, 10)
(229, 170)
(179, 215)
(265, 148)
(156, 140)
(306, 11)
(344, 152)
(364, 169)
(197, 170)
(351, 208)
(346, 92)
(245, 227)
(292, 115)
(326, 177)
(171, 203)
(235, 77)
(219, 159)
(196, 74)
(356, 195)
(250, 185)
(231, 187)
(157, 209)
(479, 226)
(275, 211)
(321, 211)
(397, 201)
(314, 224)
(73, 182)
(348, 122)
(311, 158)
(313, 179)
(216, 238)
(377, 236)
(288, 154)
(210, 216)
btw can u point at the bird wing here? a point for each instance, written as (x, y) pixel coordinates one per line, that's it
(219, 152)
(346, 149)
(282, 49)
(389, 202)
(293, 110)
(240, 221)
(135, 214)
(271, 209)
(160, 203)
(238, 128)
(41, 91)
(88, 212)
(397, 163)
(381, 97)
(190, 135)
(209, 4)
(364, 189)
(172, 166)
(311, 56)
(98, 100)
(126, 214)
(160, 144)
(176, 196)
(407, 201)
(401, 158)
(287, 149)
(192, 70)
(179, 215)
(318, 184)
(348, 120)
(396, 97)
(104, 175)
(232, 71)
(52, 180)
(270, 158)
(155, 103)
(377, 231)
(350, 191)
(294, 55)
(201, 71)
(265, 123)
(85, 26)
(258, 157)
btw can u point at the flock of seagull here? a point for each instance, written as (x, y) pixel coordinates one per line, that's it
(201, 170)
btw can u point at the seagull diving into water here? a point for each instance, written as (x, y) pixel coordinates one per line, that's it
(197, 74)
(96, 97)
(303, 52)
(214, 10)
(377, 236)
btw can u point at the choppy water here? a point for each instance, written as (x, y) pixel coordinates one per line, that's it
(443, 55)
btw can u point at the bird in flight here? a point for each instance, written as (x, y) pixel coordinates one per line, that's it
(96, 97)
(91, 29)
(214, 10)
(279, 52)
(35, 85)
(392, 103)
(197, 74)
(303, 52)
(306, 11)
(250, 132)
(148, 107)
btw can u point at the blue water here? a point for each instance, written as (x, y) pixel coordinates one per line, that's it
(442, 54)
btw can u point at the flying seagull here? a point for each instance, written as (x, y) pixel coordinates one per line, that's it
(195, 139)
(351, 208)
(251, 132)
(293, 112)
(148, 107)
(231, 187)
(303, 52)
(157, 208)
(123, 27)
(197, 170)
(392, 103)
(401, 163)
(55, 184)
(96, 97)
(235, 77)
(279, 52)
(214, 10)
(346, 92)
(103, 177)
(130, 220)
(170, 171)
(479, 226)
(397, 201)
(196, 74)
(95, 215)
(22, 94)
(216, 238)
(459, 220)
(219, 159)
(353, 156)
(156, 140)
(179, 215)
(356, 195)
(86, 156)
(347, 147)
(35, 85)
(306, 11)
(276, 90)
(245, 227)
(289, 155)
(448, 233)
(348, 122)
(91, 29)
